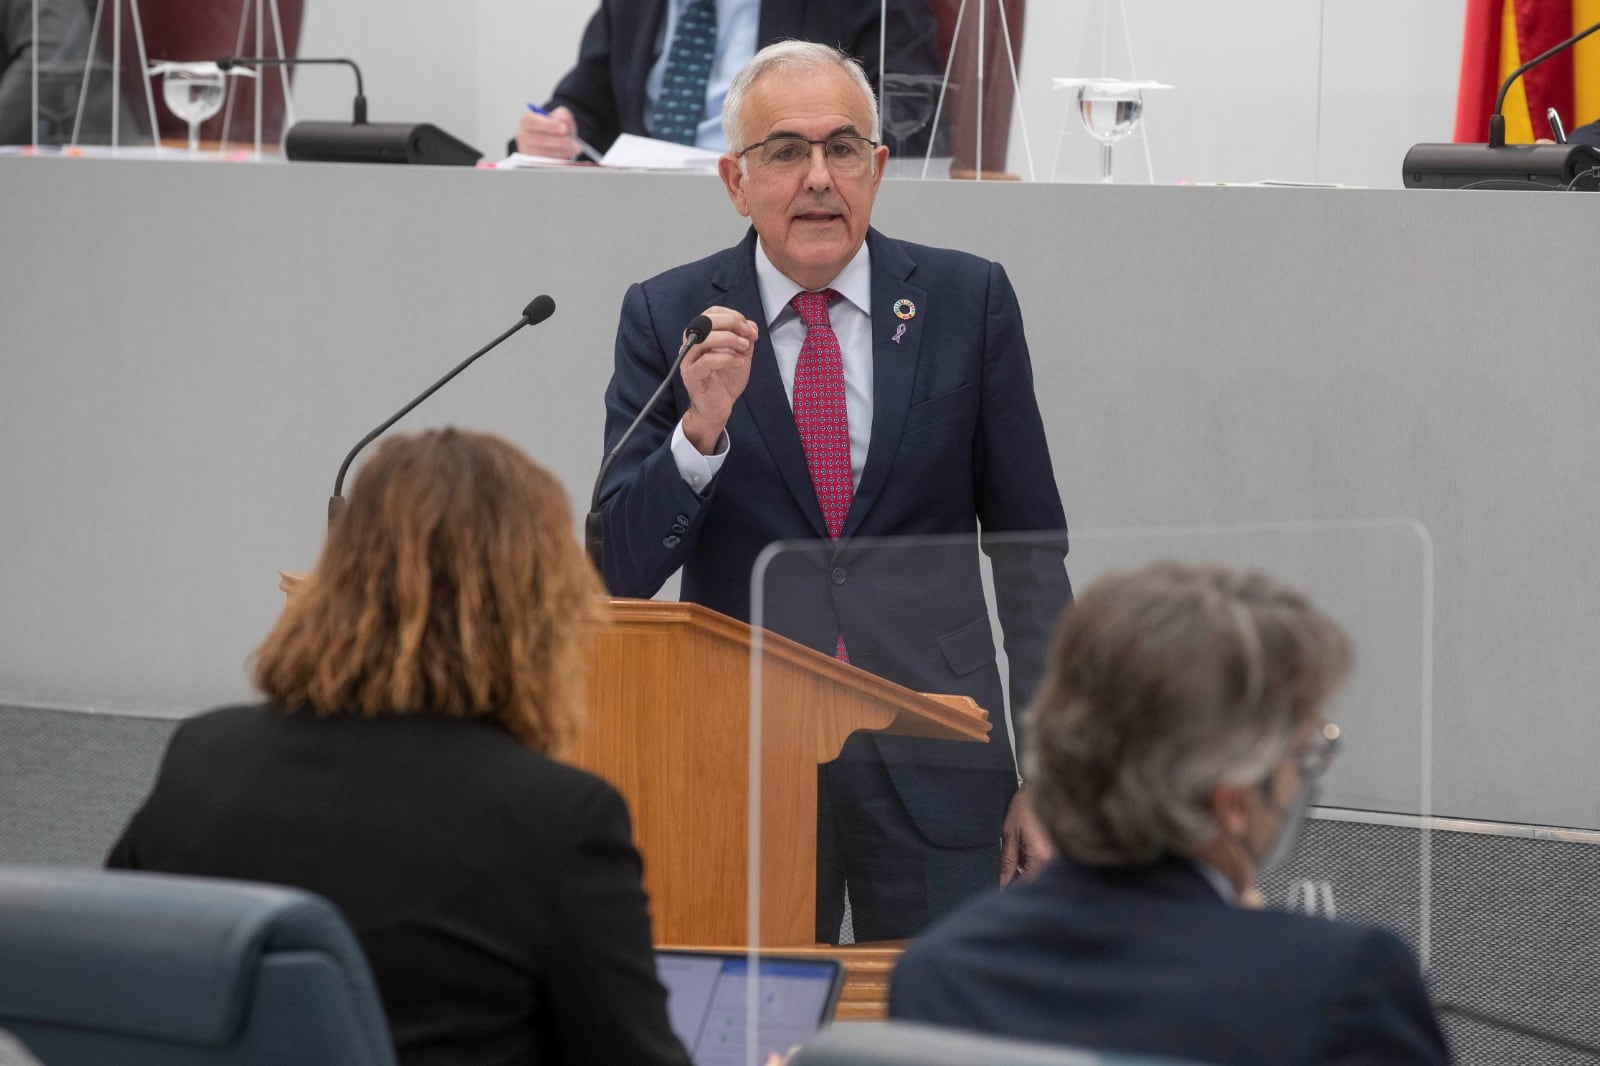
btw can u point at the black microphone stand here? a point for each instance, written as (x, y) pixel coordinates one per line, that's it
(594, 530)
(360, 110)
(539, 309)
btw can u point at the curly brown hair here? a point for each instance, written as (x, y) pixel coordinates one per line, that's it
(450, 585)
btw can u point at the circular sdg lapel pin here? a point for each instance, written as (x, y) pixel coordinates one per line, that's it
(905, 310)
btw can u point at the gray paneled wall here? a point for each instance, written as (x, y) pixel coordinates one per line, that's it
(189, 349)
(69, 781)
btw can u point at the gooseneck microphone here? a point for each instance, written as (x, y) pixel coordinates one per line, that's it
(1497, 165)
(538, 309)
(1445, 1007)
(594, 534)
(1497, 118)
(228, 62)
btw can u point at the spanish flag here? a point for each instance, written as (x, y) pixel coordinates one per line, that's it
(1500, 36)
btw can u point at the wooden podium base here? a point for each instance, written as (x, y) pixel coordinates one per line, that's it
(867, 967)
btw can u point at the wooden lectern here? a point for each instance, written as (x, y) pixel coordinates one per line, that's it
(672, 725)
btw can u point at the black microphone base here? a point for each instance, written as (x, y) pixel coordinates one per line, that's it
(377, 142)
(1514, 166)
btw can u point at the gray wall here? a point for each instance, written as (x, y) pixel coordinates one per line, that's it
(189, 349)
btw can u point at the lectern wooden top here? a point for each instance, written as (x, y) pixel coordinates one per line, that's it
(947, 717)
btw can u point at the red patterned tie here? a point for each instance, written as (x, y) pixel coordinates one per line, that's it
(819, 414)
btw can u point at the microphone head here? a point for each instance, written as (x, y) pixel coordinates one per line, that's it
(225, 64)
(539, 309)
(699, 329)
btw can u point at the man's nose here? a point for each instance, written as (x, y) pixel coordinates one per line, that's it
(818, 176)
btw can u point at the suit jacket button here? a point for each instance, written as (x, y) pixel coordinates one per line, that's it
(838, 575)
(672, 541)
(683, 520)
(679, 527)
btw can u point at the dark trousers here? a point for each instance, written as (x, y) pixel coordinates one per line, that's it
(899, 883)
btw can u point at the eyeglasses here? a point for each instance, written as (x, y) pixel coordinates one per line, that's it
(844, 153)
(1318, 756)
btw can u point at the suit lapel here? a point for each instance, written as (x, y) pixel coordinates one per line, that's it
(764, 405)
(895, 354)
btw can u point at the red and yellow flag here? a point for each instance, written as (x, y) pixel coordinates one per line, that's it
(1500, 36)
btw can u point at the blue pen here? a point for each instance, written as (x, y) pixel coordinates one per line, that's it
(583, 146)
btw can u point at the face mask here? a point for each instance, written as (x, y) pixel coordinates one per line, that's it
(1290, 821)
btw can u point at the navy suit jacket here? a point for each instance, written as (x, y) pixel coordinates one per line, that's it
(1152, 960)
(957, 442)
(606, 90)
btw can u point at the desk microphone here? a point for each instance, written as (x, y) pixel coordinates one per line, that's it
(360, 141)
(1496, 164)
(594, 532)
(538, 309)
(1444, 1007)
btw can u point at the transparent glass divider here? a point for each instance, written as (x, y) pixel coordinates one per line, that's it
(950, 96)
(81, 83)
(1366, 850)
(886, 678)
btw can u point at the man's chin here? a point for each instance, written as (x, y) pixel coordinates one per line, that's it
(816, 252)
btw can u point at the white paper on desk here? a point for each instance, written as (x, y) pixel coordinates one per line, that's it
(647, 153)
(516, 160)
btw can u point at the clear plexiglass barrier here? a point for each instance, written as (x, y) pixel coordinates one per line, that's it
(885, 684)
(1260, 90)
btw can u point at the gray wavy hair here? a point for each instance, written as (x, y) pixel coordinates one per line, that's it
(1164, 683)
(783, 57)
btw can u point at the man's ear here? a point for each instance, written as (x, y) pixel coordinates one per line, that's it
(732, 176)
(1230, 808)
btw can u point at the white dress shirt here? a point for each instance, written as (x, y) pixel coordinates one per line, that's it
(851, 316)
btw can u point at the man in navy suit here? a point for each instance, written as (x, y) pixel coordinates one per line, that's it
(625, 48)
(1177, 743)
(920, 370)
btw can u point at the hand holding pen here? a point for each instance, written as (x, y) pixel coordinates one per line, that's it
(552, 133)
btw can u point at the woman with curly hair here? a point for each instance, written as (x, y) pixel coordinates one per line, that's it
(420, 689)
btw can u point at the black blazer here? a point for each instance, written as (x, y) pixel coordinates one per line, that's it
(496, 893)
(1152, 960)
(606, 90)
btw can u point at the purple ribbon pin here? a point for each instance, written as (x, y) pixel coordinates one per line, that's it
(899, 331)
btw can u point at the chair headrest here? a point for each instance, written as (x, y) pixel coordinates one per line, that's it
(171, 958)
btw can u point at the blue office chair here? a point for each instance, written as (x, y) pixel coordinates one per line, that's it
(150, 970)
(910, 1044)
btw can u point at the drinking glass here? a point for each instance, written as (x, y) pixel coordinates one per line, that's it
(193, 92)
(1109, 109)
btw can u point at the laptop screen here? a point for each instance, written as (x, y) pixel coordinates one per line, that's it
(706, 1002)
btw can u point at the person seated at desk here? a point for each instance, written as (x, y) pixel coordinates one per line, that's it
(661, 68)
(421, 683)
(1586, 134)
(1177, 741)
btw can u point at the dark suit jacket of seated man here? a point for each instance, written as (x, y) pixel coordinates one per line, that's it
(1152, 959)
(607, 90)
(932, 344)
